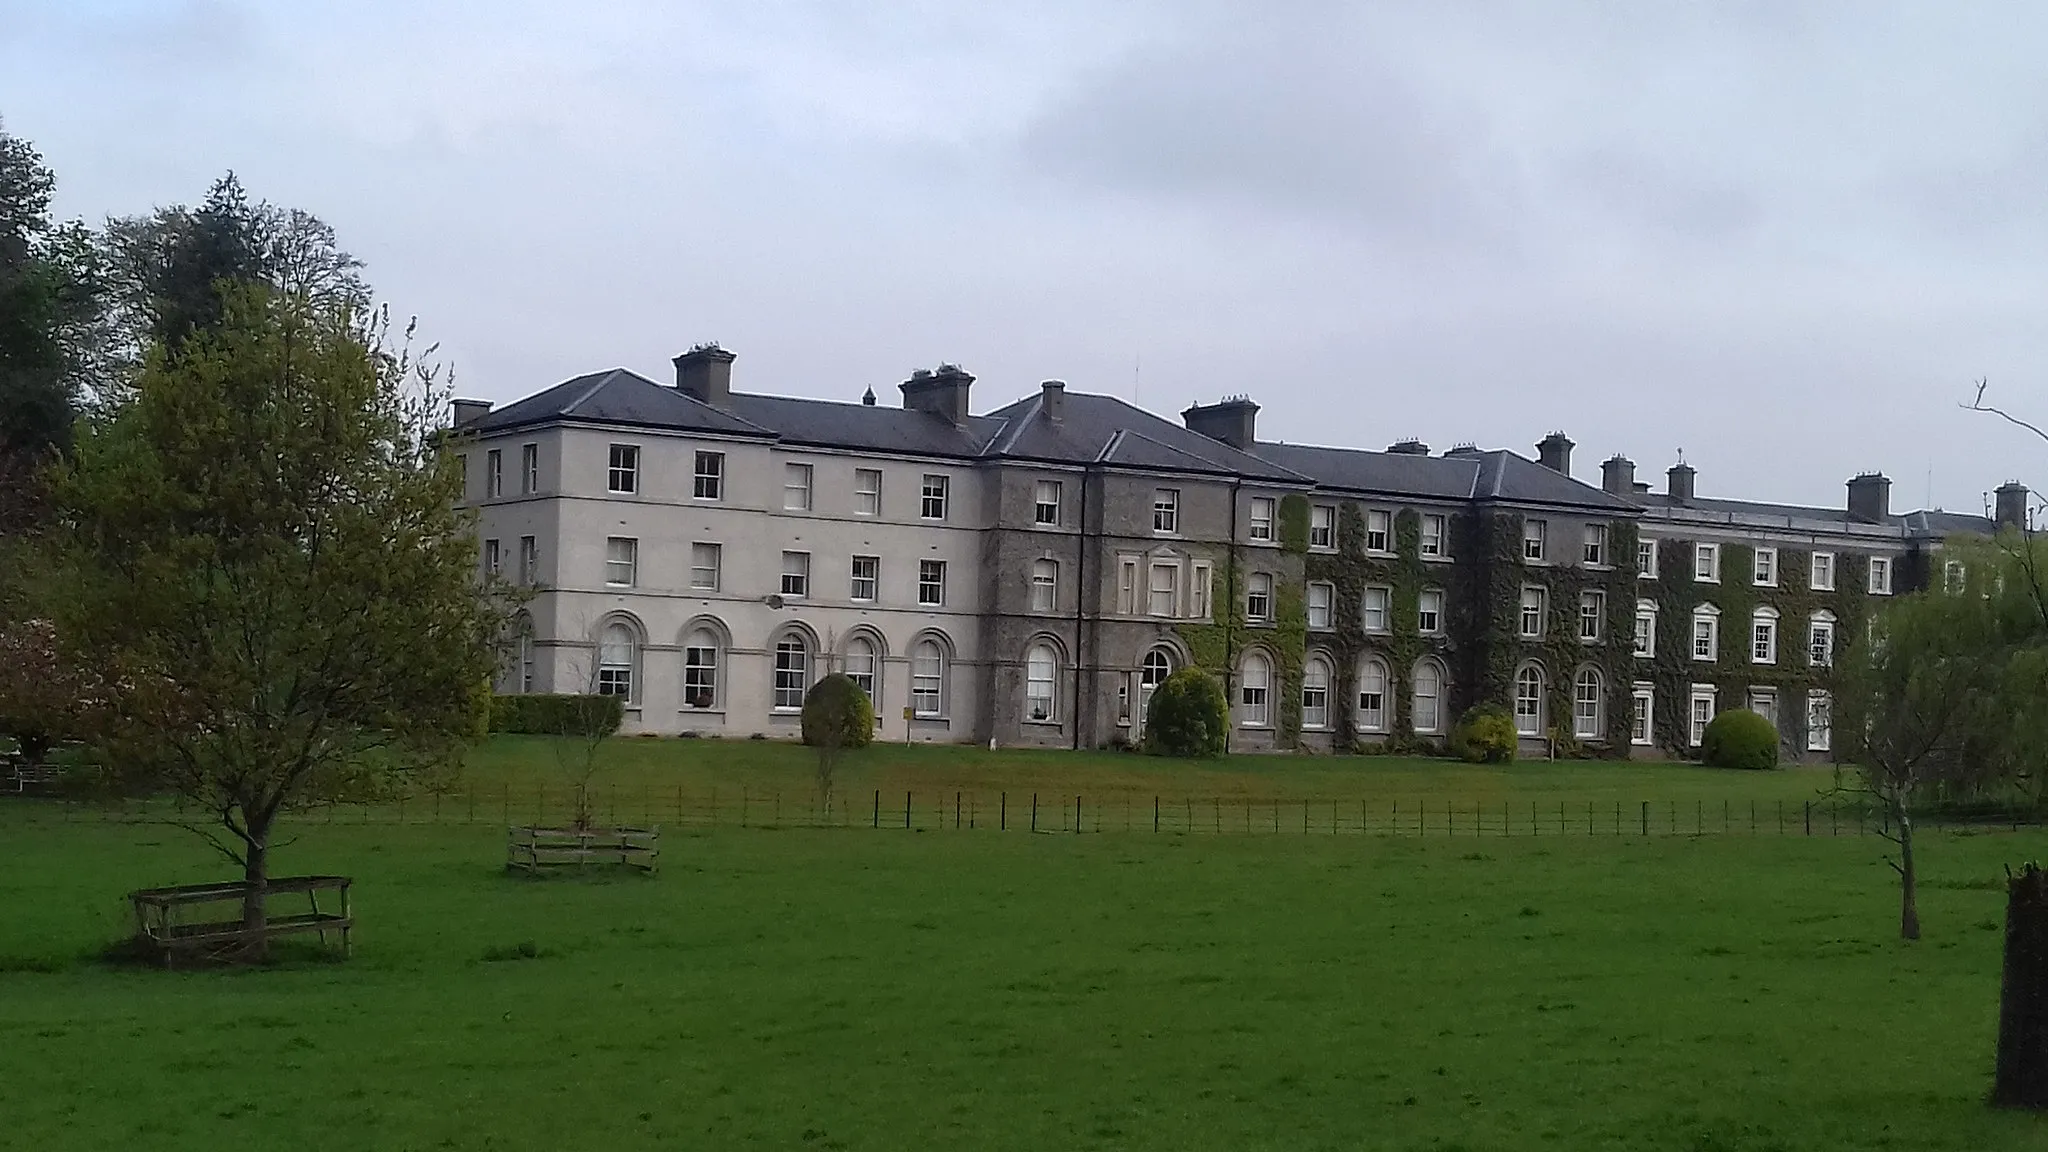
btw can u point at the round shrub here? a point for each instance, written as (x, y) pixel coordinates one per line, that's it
(1739, 738)
(1485, 735)
(837, 714)
(1188, 716)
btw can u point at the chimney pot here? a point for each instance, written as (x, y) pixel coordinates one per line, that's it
(943, 393)
(704, 373)
(1678, 482)
(1233, 420)
(1555, 452)
(1870, 498)
(1409, 447)
(1618, 475)
(1053, 398)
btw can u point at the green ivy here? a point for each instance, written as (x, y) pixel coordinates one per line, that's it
(1294, 523)
(1672, 671)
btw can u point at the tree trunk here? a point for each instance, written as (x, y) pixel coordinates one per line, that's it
(256, 874)
(2022, 1077)
(1909, 880)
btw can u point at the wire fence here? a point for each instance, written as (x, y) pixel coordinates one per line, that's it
(1072, 813)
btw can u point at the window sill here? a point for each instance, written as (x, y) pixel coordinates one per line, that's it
(1053, 723)
(712, 710)
(1261, 727)
(1436, 559)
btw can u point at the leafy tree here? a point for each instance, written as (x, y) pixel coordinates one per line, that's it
(266, 544)
(837, 716)
(46, 693)
(1188, 716)
(49, 305)
(169, 272)
(1944, 695)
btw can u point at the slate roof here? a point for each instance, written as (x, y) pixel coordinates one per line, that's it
(1390, 473)
(1104, 429)
(1937, 523)
(618, 397)
(837, 424)
(1507, 476)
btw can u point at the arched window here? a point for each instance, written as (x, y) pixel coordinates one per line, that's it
(1372, 695)
(618, 653)
(792, 672)
(1706, 632)
(864, 669)
(700, 669)
(1041, 668)
(1253, 688)
(1820, 639)
(927, 678)
(1589, 704)
(1429, 694)
(526, 660)
(1529, 700)
(1315, 693)
(1152, 672)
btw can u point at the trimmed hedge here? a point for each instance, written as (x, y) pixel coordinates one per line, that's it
(1485, 735)
(1739, 738)
(557, 714)
(835, 705)
(1188, 716)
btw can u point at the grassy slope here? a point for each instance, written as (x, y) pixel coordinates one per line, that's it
(906, 990)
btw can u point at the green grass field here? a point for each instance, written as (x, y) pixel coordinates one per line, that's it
(808, 988)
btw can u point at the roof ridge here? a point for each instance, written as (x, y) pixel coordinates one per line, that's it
(1005, 438)
(603, 378)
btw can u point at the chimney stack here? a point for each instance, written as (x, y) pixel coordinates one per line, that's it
(1618, 476)
(705, 373)
(2011, 509)
(1461, 450)
(1408, 447)
(1678, 482)
(471, 411)
(1233, 420)
(943, 393)
(1052, 396)
(1870, 498)
(1555, 452)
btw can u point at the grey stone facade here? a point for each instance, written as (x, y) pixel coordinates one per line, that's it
(1024, 576)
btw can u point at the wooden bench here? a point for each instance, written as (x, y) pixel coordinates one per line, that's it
(188, 922)
(543, 849)
(18, 778)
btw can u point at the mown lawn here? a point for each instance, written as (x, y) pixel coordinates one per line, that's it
(864, 990)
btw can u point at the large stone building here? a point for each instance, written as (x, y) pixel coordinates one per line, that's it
(1028, 575)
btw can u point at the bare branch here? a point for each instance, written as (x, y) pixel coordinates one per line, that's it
(1977, 404)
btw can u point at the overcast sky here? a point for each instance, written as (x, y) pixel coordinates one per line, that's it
(1783, 237)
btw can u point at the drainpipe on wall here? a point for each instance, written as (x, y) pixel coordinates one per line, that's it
(1080, 594)
(1230, 634)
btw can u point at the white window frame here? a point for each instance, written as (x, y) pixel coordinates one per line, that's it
(1536, 601)
(1820, 640)
(1711, 616)
(1045, 503)
(1041, 684)
(618, 676)
(1535, 537)
(1765, 567)
(716, 554)
(931, 583)
(796, 574)
(1433, 529)
(1763, 702)
(1763, 636)
(1321, 604)
(1315, 694)
(1706, 563)
(864, 589)
(1820, 737)
(1372, 719)
(1322, 527)
(1646, 629)
(494, 473)
(1955, 576)
(622, 472)
(864, 668)
(621, 561)
(1646, 549)
(491, 557)
(1168, 573)
(928, 679)
(1696, 725)
(529, 561)
(1201, 589)
(1880, 575)
(867, 491)
(1593, 612)
(792, 673)
(1587, 726)
(797, 486)
(1430, 722)
(700, 671)
(529, 469)
(1255, 699)
(1822, 563)
(1528, 707)
(934, 493)
(1045, 585)
(1258, 597)
(1377, 601)
(1166, 511)
(1261, 520)
(1127, 585)
(1429, 611)
(707, 475)
(1642, 723)
(1595, 553)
